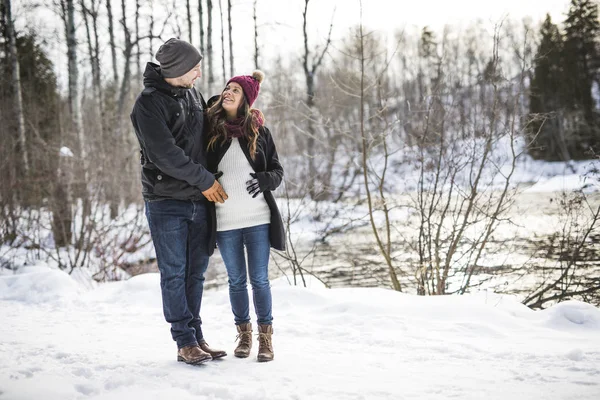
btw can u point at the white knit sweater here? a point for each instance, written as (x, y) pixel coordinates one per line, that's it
(240, 210)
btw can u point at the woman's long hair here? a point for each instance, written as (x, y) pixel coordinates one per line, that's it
(253, 119)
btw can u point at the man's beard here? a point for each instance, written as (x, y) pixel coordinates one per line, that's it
(188, 85)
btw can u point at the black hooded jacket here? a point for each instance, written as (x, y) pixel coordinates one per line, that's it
(169, 125)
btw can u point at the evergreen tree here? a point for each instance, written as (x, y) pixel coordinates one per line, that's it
(581, 61)
(40, 108)
(543, 127)
(564, 122)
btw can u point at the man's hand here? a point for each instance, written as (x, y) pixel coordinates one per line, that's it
(216, 194)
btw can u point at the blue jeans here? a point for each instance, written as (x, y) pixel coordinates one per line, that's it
(180, 234)
(231, 245)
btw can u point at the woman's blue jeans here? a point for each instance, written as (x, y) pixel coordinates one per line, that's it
(231, 245)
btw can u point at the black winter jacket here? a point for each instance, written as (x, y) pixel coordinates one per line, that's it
(169, 124)
(269, 173)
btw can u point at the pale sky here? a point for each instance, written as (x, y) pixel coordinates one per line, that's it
(392, 13)
(281, 21)
(284, 18)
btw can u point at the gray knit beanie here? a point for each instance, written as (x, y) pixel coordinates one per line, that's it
(177, 57)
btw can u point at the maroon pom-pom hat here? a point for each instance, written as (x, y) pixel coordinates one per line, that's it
(250, 85)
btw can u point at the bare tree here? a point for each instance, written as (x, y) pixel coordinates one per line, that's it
(230, 38)
(570, 278)
(112, 185)
(92, 42)
(98, 101)
(62, 216)
(201, 22)
(111, 42)
(209, 46)
(293, 255)
(384, 243)
(222, 42)
(16, 84)
(68, 14)
(255, 35)
(122, 136)
(91, 12)
(151, 30)
(138, 54)
(189, 19)
(310, 70)
(82, 170)
(177, 24)
(462, 191)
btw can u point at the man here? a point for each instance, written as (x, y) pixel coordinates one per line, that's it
(168, 119)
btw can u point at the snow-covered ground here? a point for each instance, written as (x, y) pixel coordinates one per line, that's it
(60, 341)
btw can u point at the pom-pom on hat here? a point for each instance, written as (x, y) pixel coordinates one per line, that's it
(250, 85)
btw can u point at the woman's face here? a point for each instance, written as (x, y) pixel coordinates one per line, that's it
(232, 96)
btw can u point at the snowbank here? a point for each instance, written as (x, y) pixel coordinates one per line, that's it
(354, 343)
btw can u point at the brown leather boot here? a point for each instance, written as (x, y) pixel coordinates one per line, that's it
(265, 344)
(245, 340)
(192, 355)
(213, 352)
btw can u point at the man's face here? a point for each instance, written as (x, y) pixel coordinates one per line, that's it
(187, 80)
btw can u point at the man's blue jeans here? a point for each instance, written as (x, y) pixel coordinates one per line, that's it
(180, 234)
(231, 245)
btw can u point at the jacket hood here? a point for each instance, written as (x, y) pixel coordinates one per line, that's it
(153, 78)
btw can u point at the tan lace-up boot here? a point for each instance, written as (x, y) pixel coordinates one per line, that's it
(265, 343)
(245, 340)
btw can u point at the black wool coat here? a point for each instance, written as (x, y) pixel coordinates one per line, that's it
(269, 173)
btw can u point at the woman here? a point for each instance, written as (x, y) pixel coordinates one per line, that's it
(242, 150)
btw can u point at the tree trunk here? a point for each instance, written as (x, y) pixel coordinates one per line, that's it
(151, 29)
(16, 85)
(94, 53)
(96, 59)
(209, 47)
(201, 20)
(309, 74)
(222, 41)
(124, 90)
(189, 19)
(62, 219)
(317, 188)
(255, 36)
(122, 136)
(85, 12)
(138, 60)
(73, 69)
(230, 38)
(81, 165)
(113, 48)
(61, 199)
(111, 184)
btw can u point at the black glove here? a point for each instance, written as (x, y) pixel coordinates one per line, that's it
(253, 187)
(218, 175)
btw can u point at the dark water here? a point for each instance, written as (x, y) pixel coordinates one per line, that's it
(518, 258)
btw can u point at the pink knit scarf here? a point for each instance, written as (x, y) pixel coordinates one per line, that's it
(235, 127)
